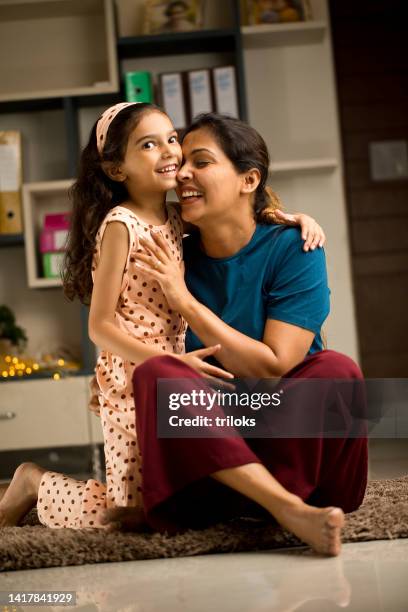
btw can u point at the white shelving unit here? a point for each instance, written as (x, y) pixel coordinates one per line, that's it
(55, 48)
(303, 166)
(38, 200)
(284, 34)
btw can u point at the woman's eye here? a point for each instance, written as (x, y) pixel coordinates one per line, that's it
(148, 145)
(173, 139)
(201, 163)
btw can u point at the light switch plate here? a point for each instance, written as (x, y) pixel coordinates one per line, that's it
(389, 160)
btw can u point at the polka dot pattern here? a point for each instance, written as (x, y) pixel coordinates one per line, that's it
(67, 503)
(142, 312)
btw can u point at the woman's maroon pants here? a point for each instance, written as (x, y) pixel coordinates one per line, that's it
(178, 491)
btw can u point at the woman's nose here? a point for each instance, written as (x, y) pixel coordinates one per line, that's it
(184, 173)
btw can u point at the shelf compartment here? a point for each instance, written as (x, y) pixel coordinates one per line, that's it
(278, 35)
(57, 48)
(200, 41)
(38, 200)
(302, 166)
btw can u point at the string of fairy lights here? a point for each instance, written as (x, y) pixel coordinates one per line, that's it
(14, 367)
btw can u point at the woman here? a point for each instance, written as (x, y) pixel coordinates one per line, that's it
(251, 289)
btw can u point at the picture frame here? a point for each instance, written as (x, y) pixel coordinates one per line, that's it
(268, 12)
(169, 16)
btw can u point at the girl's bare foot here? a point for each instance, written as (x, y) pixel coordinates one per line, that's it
(21, 494)
(318, 527)
(3, 489)
(126, 519)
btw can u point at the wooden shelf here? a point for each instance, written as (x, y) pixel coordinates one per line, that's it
(302, 166)
(8, 240)
(284, 34)
(57, 49)
(200, 41)
(38, 200)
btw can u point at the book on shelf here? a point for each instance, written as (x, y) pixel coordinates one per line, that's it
(11, 221)
(138, 86)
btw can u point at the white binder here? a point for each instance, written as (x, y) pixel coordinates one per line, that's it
(172, 94)
(225, 90)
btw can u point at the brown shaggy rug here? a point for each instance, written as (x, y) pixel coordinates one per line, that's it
(382, 516)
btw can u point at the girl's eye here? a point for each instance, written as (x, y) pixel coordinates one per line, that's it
(173, 139)
(148, 145)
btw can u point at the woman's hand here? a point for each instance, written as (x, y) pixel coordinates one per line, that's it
(195, 360)
(168, 272)
(312, 233)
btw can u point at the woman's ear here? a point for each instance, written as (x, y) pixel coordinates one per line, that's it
(250, 180)
(114, 171)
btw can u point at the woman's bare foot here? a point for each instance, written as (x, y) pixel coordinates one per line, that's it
(318, 527)
(21, 494)
(126, 519)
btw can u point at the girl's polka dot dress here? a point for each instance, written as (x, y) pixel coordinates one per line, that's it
(142, 312)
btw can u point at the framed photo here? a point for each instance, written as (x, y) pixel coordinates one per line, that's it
(259, 12)
(172, 16)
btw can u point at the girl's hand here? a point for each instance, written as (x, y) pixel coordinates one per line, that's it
(195, 360)
(94, 399)
(312, 233)
(168, 272)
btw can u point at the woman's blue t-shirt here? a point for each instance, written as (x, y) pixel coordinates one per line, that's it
(270, 278)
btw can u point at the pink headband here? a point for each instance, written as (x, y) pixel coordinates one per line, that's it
(105, 120)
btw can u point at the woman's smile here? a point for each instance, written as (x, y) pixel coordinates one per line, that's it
(189, 194)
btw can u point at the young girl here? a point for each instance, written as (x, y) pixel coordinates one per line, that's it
(129, 164)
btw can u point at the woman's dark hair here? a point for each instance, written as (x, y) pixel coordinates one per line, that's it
(93, 195)
(246, 149)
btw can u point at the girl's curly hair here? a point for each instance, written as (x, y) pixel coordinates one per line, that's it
(93, 195)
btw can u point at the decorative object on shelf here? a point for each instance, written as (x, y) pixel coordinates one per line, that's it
(54, 234)
(52, 264)
(53, 238)
(172, 16)
(260, 12)
(16, 367)
(57, 364)
(10, 183)
(138, 86)
(12, 337)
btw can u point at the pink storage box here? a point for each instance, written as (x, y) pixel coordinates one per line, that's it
(54, 235)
